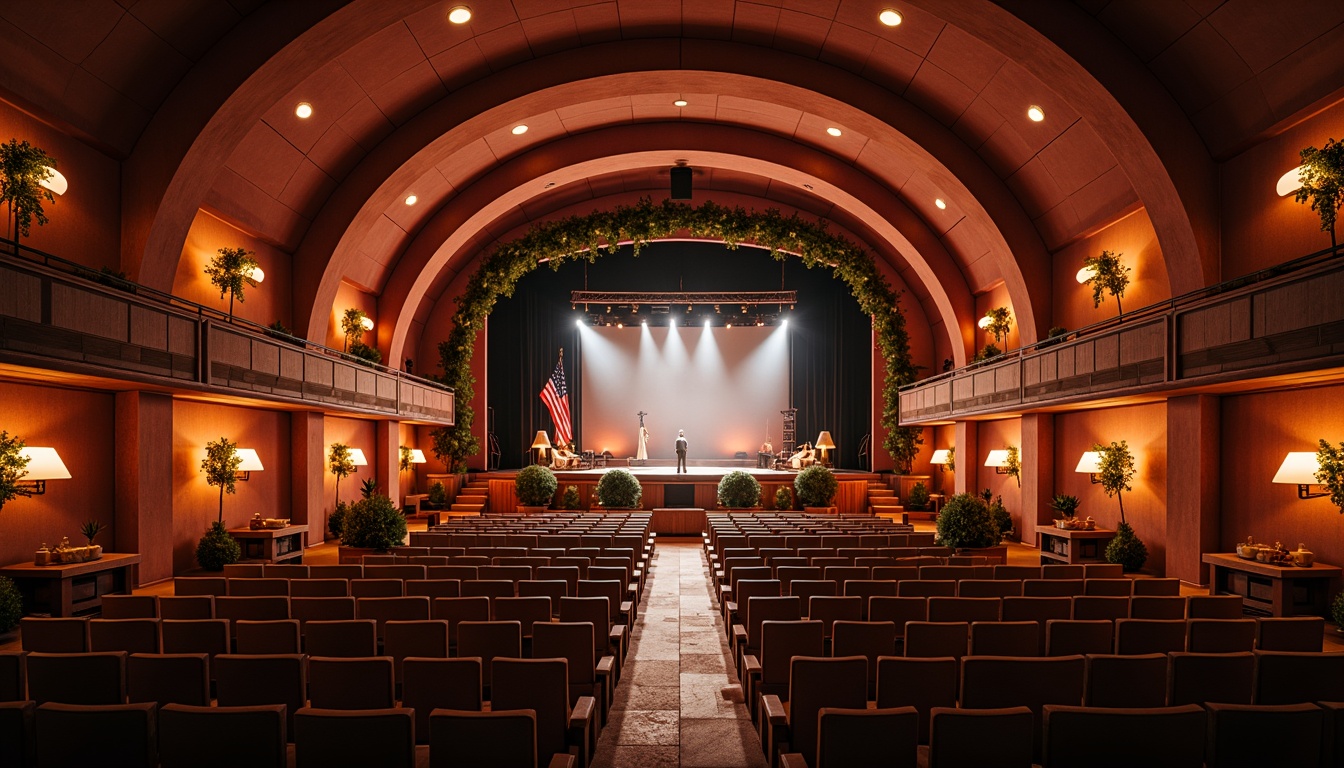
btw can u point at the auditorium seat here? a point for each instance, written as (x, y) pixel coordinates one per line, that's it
(256, 736)
(1168, 737)
(488, 640)
(1126, 681)
(129, 635)
(245, 681)
(455, 610)
(922, 588)
(932, 639)
(767, 673)
(264, 608)
(427, 639)
(814, 684)
(385, 609)
(551, 590)
(208, 636)
(862, 737)
(989, 588)
(971, 738)
(1093, 607)
(296, 571)
(747, 636)
(1157, 607)
(869, 639)
(608, 640)
(1198, 678)
(1247, 735)
(347, 572)
(527, 611)
(1052, 587)
(1005, 638)
(77, 678)
(991, 682)
(329, 738)
(18, 733)
(899, 610)
(1069, 637)
(13, 676)
(308, 609)
(317, 588)
(1214, 607)
(177, 678)
(351, 683)
(1157, 587)
(367, 588)
(1286, 677)
(573, 642)
(243, 570)
(119, 734)
(185, 607)
(433, 684)
(500, 739)
(215, 586)
(1139, 636)
(828, 610)
(922, 683)
(967, 609)
(267, 637)
(1220, 635)
(258, 587)
(806, 589)
(129, 607)
(63, 635)
(1296, 633)
(542, 685)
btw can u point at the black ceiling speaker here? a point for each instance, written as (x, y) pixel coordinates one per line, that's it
(681, 183)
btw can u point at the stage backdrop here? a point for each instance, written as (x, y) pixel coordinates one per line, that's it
(829, 374)
(724, 386)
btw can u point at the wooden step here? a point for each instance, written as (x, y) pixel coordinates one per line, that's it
(477, 508)
(471, 498)
(880, 492)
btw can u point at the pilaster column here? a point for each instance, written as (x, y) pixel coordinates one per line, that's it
(387, 461)
(1038, 472)
(308, 459)
(1194, 429)
(143, 468)
(967, 450)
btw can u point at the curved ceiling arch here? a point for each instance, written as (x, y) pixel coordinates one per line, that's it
(614, 149)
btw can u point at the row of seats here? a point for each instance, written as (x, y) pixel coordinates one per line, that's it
(718, 539)
(904, 582)
(1190, 736)
(434, 539)
(990, 683)
(183, 736)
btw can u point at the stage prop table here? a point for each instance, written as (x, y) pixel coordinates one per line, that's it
(1060, 545)
(272, 545)
(1273, 590)
(68, 589)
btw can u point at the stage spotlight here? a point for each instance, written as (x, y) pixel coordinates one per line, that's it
(671, 322)
(620, 325)
(579, 323)
(644, 323)
(716, 309)
(608, 309)
(688, 308)
(730, 324)
(706, 322)
(744, 309)
(784, 324)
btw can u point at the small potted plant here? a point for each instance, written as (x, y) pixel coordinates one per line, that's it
(783, 499)
(437, 498)
(1003, 521)
(1108, 275)
(918, 498)
(815, 487)
(1322, 177)
(618, 489)
(739, 490)
(535, 486)
(372, 525)
(91, 529)
(570, 499)
(1065, 507)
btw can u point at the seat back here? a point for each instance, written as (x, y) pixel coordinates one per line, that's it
(1220, 635)
(384, 737)
(185, 607)
(433, 588)
(216, 586)
(780, 642)
(344, 638)
(1149, 636)
(258, 587)
(244, 571)
(1197, 678)
(434, 684)
(922, 683)
(209, 636)
(267, 637)
(1157, 607)
(1126, 681)
(1052, 587)
(923, 588)
(869, 639)
(806, 589)
(573, 642)
(992, 682)
(129, 607)
(306, 609)
(989, 588)
(816, 683)
(359, 683)
(527, 611)
(1214, 607)
(1106, 736)
(245, 681)
(541, 685)
(77, 678)
(898, 610)
(1060, 571)
(456, 610)
(829, 610)
(1157, 587)
(377, 588)
(1297, 731)
(1295, 633)
(311, 588)
(1107, 607)
(934, 639)
(592, 610)
(1118, 587)
(1005, 638)
(182, 678)
(1017, 572)
(57, 635)
(867, 737)
(256, 736)
(866, 589)
(385, 609)
(263, 608)
(761, 609)
(971, 738)
(426, 638)
(495, 739)
(13, 677)
(129, 635)
(967, 609)
(488, 640)
(1069, 637)
(119, 734)
(348, 571)
(1286, 677)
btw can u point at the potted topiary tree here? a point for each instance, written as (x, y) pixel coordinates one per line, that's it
(1115, 471)
(13, 467)
(372, 525)
(618, 489)
(1322, 178)
(437, 498)
(917, 499)
(1108, 275)
(535, 486)
(570, 500)
(217, 548)
(999, 323)
(998, 514)
(1013, 467)
(965, 523)
(739, 490)
(815, 487)
(783, 499)
(23, 169)
(231, 270)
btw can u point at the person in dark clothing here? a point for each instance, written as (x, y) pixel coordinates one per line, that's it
(681, 451)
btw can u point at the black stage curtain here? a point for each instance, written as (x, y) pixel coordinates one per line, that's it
(831, 348)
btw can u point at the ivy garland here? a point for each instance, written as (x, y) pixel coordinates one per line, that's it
(602, 232)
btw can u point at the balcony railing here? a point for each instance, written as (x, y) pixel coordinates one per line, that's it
(61, 315)
(1280, 320)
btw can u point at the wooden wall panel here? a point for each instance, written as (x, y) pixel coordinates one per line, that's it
(149, 328)
(851, 498)
(88, 312)
(503, 497)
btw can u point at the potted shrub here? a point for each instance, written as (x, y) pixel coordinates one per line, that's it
(1003, 522)
(570, 499)
(217, 548)
(372, 525)
(1000, 323)
(814, 487)
(353, 326)
(535, 486)
(918, 498)
(1055, 335)
(1065, 507)
(1115, 470)
(965, 523)
(783, 499)
(342, 466)
(11, 605)
(437, 498)
(618, 489)
(739, 490)
(336, 520)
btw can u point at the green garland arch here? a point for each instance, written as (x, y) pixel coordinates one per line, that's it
(587, 237)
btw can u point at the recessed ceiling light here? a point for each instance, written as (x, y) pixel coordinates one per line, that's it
(1035, 113)
(519, 130)
(833, 131)
(889, 17)
(941, 205)
(679, 103)
(460, 14)
(304, 110)
(411, 199)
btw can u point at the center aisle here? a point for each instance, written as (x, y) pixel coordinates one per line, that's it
(670, 707)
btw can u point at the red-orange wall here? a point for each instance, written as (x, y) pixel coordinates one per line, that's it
(268, 302)
(1144, 428)
(355, 433)
(80, 426)
(992, 436)
(994, 297)
(1258, 431)
(348, 296)
(1133, 237)
(195, 503)
(84, 224)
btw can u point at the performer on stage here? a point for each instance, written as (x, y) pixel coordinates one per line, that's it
(642, 442)
(681, 451)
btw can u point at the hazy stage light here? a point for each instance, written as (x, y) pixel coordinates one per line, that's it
(579, 323)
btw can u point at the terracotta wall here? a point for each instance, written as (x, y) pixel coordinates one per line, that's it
(1133, 237)
(992, 436)
(356, 433)
(348, 296)
(80, 426)
(195, 503)
(268, 302)
(1258, 431)
(994, 297)
(1144, 428)
(84, 224)
(1259, 228)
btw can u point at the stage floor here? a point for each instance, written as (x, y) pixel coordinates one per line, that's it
(692, 472)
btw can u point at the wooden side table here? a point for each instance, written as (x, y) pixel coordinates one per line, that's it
(73, 588)
(272, 545)
(1273, 590)
(1059, 545)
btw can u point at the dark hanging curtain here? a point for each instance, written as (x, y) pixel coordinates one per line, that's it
(831, 365)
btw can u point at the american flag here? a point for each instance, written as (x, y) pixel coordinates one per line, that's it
(556, 396)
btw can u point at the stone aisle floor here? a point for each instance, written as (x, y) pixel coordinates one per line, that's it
(671, 707)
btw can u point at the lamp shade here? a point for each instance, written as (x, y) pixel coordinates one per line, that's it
(824, 440)
(55, 181)
(541, 441)
(1287, 184)
(997, 458)
(417, 456)
(258, 274)
(357, 456)
(44, 464)
(1085, 274)
(251, 461)
(367, 323)
(939, 456)
(983, 322)
(1298, 468)
(1089, 463)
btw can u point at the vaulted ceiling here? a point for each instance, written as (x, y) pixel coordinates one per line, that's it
(1140, 100)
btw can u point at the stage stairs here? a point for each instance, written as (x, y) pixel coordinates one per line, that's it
(472, 499)
(882, 500)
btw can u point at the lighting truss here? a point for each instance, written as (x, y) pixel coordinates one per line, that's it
(663, 299)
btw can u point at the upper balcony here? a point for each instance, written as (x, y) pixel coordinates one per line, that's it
(1283, 321)
(58, 315)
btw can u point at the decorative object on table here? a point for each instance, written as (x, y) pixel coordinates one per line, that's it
(783, 499)
(1067, 507)
(217, 548)
(374, 523)
(1303, 557)
(274, 523)
(619, 489)
(824, 444)
(815, 486)
(43, 555)
(11, 605)
(739, 490)
(256, 522)
(91, 529)
(965, 523)
(535, 486)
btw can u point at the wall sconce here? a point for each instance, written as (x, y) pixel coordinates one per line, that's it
(357, 456)
(55, 181)
(251, 463)
(1085, 274)
(998, 459)
(1089, 463)
(257, 274)
(417, 456)
(825, 443)
(367, 322)
(1299, 468)
(1289, 183)
(983, 322)
(43, 464)
(940, 458)
(541, 444)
